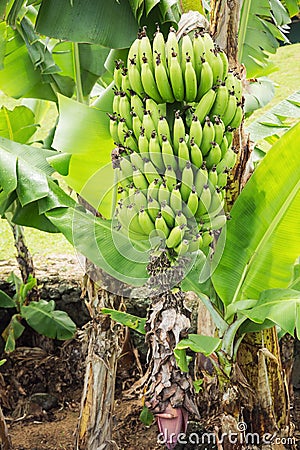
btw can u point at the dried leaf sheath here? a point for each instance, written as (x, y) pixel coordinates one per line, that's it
(168, 322)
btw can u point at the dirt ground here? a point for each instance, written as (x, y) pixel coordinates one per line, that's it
(40, 390)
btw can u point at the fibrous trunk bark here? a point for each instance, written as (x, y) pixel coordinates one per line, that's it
(170, 395)
(24, 260)
(5, 442)
(104, 343)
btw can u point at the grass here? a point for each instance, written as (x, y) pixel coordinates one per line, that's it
(286, 78)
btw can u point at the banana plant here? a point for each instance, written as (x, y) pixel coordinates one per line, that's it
(40, 315)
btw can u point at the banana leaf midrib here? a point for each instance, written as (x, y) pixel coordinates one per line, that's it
(266, 236)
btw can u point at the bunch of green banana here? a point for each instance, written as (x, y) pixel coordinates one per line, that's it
(173, 166)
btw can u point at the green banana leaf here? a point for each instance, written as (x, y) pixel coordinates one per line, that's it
(17, 124)
(92, 58)
(83, 132)
(274, 121)
(261, 25)
(263, 237)
(44, 319)
(30, 74)
(101, 243)
(41, 203)
(107, 23)
(280, 306)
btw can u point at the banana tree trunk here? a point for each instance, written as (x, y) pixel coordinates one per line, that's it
(103, 338)
(5, 442)
(255, 395)
(260, 362)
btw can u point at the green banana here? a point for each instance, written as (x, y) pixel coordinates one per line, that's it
(168, 214)
(113, 127)
(224, 58)
(125, 108)
(228, 161)
(155, 152)
(137, 106)
(230, 110)
(216, 204)
(217, 222)
(186, 50)
(163, 193)
(201, 179)
(175, 236)
(205, 104)
(171, 46)
(206, 79)
(217, 66)
(221, 101)
(152, 107)
(133, 220)
(190, 80)
(230, 81)
(219, 129)
(176, 77)
(153, 208)
(196, 243)
(167, 153)
(214, 156)
(148, 124)
(134, 52)
(178, 130)
(159, 46)
(134, 76)
(187, 181)
(209, 44)
(118, 74)
(148, 81)
(153, 189)
(130, 142)
(204, 201)
(183, 154)
(116, 102)
(238, 117)
(139, 199)
(161, 226)
(182, 248)
(229, 135)
(163, 129)
(213, 176)
(143, 144)
(192, 202)
(126, 168)
(207, 238)
(162, 82)
(180, 218)
(208, 136)
(149, 171)
(222, 178)
(136, 124)
(126, 86)
(224, 146)
(145, 50)
(199, 51)
(170, 178)
(145, 221)
(196, 130)
(196, 154)
(176, 199)
(238, 87)
(139, 179)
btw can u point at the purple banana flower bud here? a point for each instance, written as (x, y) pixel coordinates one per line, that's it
(172, 422)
